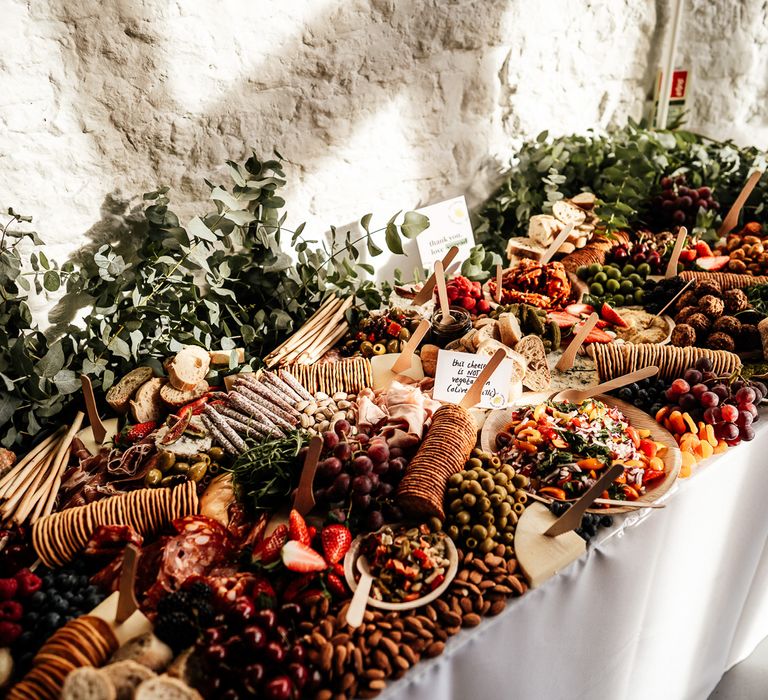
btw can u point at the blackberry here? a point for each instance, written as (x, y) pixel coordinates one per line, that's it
(179, 602)
(178, 630)
(199, 591)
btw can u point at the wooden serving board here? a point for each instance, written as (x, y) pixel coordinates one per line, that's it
(672, 457)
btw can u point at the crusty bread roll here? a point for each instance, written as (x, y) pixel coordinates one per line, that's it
(126, 676)
(87, 684)
(165, 688)
(189, 367)
(120, 394)
(147, 404)
(147, 650)
(174, 397)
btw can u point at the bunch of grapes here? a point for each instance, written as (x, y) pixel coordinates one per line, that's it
(679, 204)
(730, 407)
(648, 394)
(362, 471)
(637, 254)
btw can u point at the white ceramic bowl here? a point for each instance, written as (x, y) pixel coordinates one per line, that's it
(350, 567)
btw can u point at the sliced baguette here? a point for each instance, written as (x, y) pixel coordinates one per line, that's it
(188, 368)
(147, 404)
(87, 684)
(509, 329)
(147, 650)
(165, 688)
(174, 397)
(221, 357)
(126, 676)
(538, 377)
(120, 394)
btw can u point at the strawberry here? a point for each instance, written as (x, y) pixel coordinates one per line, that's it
(312, 530)
(297, 528)
(300, 558)
(579, 309)
(262, 593)
(703, 250)
(687, 255)
(483, 307)
(468, 303)
(11, 610)
(713, 264)
(336, 541)
(295, 587)
(8, 588)
(597, 336)
(337, 569)
(563, 319)
(28, 582)
(136, 433)
(337, 586)
(611, 315)
(9, 633)
(268, 550)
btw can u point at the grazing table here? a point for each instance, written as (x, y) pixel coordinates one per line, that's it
(661, 606)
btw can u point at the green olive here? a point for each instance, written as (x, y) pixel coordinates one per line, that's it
(500, 478)
(464, 531)
(469, 500)
(487, 484)
(496, 500)
(483, 503)
(508, 471)
(511, 520)
(165, 460)
(474, 463)
(456, 505)
(197, 471)
(216, 453)
(455, 479)
(471, 542)
(435, 524)
(214, 469)
(393, 346)
(172, 480)
(379, 349)
(487, 519)
(502, 522)
(511, 490)
(453, 532)
(470, 475)
(153, 477)
(450, 494)
(181, 467)
(200, 457)
(476, 452)
(521, 481)
(508, 538)
(505, 508)
(521, 497)
(366, 348)
(492, 531)
(518, 508)
(487, 545)
(475, 488)
(464, 488)
(463, 517)
(495, 461)
(404, 334)
(479, 531)
(500, 490)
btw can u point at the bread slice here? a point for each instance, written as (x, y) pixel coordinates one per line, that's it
(221, 357)
(165, 688)
(121, 393)
(147, 650)
(509, 329)
(147, 404)
(538, 377)
(126, 676)
(189, 367)
(87, 684)
(174, 397)
(524, 247)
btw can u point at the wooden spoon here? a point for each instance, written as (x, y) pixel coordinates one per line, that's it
(682, 232)
(405, 360)
(732, 217)
(425, 293)
(442, 292)
(356, 608)
(566, 361)
(475, 392)
(497, 296)
(304, 500)
(126, 602)
(674, 299)
(555, 245)
(93, 437)
(577, 395)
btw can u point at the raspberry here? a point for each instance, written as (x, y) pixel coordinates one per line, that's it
(11, 610)
(9, 633)
(8, 588)
(28, 582)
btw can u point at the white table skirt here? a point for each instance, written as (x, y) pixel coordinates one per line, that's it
(660, 607)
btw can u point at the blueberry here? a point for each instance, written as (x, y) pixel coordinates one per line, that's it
(52, 620)
(31, 618)
(37, 599)
(606, 521)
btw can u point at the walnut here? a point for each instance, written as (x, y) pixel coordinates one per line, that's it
(711, 306)
(727, 324)
(735, 300)
(699, 322)
(705, 287)
(720, 341)
(685, 313)
(683, 335)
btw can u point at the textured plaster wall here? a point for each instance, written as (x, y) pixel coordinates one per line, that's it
(378, 105)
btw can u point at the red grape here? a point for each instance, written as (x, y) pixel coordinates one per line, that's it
(329, 467)
(708, 377)
(727, 431)
(704, 365)
(751, 408)
(330, 440)
(746, 395)
(729, 413)
(362, 464)
(342, 427)
(343, 451)
(712, 416)
(721, 390)
(733, 443)
(687, 402)
(279, 688)
(698, 389)
(378, 451)
(361, 500)
(747, 433)
(692, 376)
(361, 484)
(680, 386)
(745, 419)
(709, 399)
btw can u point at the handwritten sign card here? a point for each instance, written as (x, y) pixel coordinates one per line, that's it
(449, 226)
(456, 371)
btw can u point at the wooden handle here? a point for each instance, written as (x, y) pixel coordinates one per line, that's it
(555, 245)
(475, 392)
(442, 292)
(674, 298)
(126, 602)
(566, 361)
(425, 294)
(359, 601)
(403, 363)
(97, 427)
(497, 296)
(732, 217)
(305, 497)
(682, 232)
(623, 380)
(571, 519)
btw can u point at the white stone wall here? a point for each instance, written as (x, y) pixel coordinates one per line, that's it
(378, 105)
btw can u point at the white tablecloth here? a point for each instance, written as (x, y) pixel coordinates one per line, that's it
(660, 607)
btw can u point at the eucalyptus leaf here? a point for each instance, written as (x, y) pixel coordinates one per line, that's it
(414, 223)
(393, 239)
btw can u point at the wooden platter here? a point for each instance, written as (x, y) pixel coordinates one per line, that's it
(672, 457)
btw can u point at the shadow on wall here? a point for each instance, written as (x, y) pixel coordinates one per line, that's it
(336, 93)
